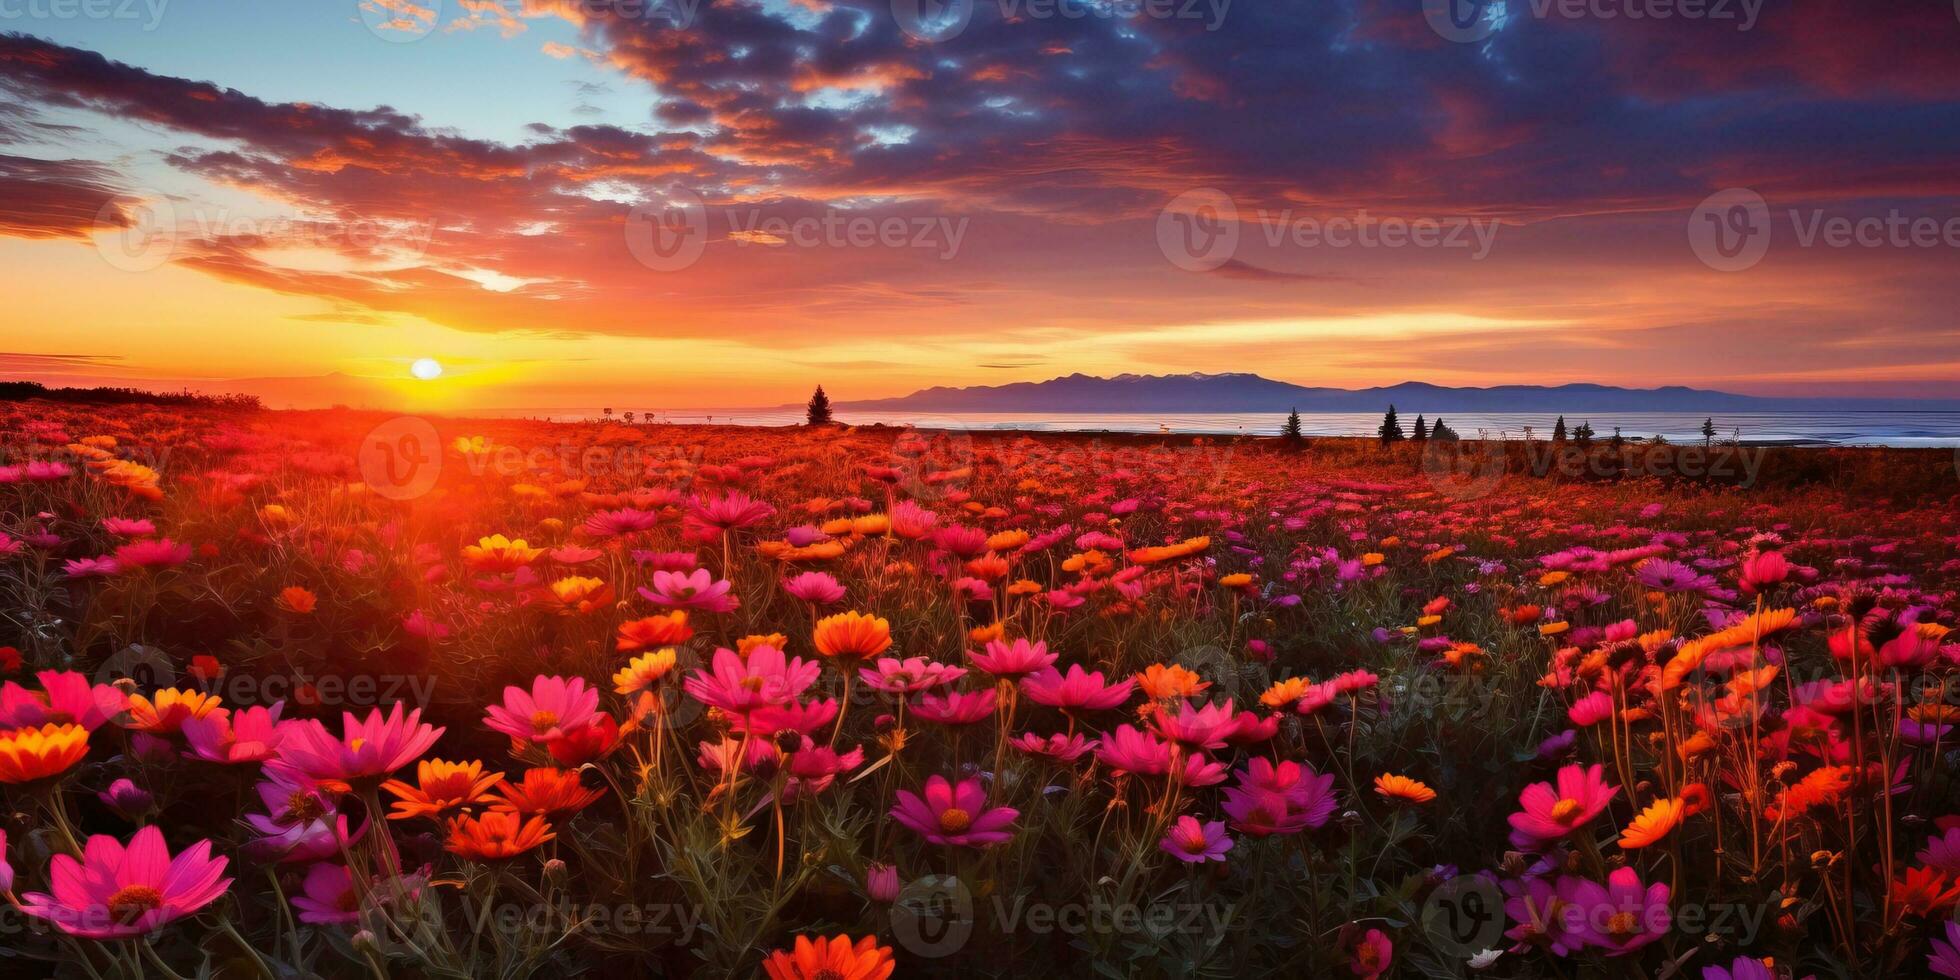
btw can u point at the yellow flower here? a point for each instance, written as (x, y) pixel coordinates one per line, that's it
(29, 754)
(644, 671)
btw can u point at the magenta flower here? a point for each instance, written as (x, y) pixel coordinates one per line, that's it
(1620, 916)
(1751, 968)
(1197, 728)
(124, 527)
(796, 716)
(1944, 959)
(740, 686)
(367, 750)
(1371, 956)
(1279, 799)
(815, 588)
(1129, 751)
(698, 589)
(300, 822)
(722, 514)
(245, 735)
(1059, 748)
(909, 676)
(1195, 843)
(65, 698)
(1249, 728)
(1013, 660)
(552, 709)
(1538, 908)
(620, 523)
(1078, 690)
(1763, 569)
(955, 707)
(6, 869)
(118, 892)
(329, 897)
(152, 553)
(954, 816)
(1551, 813)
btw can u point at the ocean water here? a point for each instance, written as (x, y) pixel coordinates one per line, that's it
(1890, 428)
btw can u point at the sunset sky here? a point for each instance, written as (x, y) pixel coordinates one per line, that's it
(217, 194)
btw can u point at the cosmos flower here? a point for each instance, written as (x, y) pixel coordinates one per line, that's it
(1401, 788)
(836, 958)
(1550, 813)
(249, 735)
(29, 755)
(367, 750)
(151, 553)
(440, 787)
(955, 816)
(551, 709)
(1193, 842)
(1653, 823)
(328, 896)
(1620, 916)
(65, 698)
(815, 588)
(909, 676)
(852, 634)
(740, 685)
(668, 629)
(495, 836)
(1013, 660)
(955, 707)
(698, 589)
(118, 892)
(1372, 955)
(1077, 690)
(546, 792)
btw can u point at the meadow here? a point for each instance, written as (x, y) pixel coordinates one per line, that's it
(338, 694)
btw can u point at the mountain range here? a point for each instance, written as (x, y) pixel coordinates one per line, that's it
(1244, 392)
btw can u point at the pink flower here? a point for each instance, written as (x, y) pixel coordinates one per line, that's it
(722, 514)
(553, 709)
(1763, 569)
(1198, 728)
(330, 897)
(152, 553)
(101, 567)
(954, 816)
(366, 751)
(1591, 709)
(124, 527)
(1078, 690)
(909, 676)
(796, 716)
(619, 523)
(1751, 968)
(300, 822)
(1372, 955)
(1620, 916)
(1130, 751)
(1195, 843)
(1058, 748)
(1944, 959)
(698, 589)
(6, 869)
(66, 698)
(245, 735)
(1014, 660)
(1550, 813)
(955, 707)
(881, 883)
(740, 686)
(121, 893)
(815, 588)
(1538, 908)
(1279, 799)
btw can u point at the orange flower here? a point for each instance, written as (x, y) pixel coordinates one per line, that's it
(1162, 682)
(1236, 580)
(1373, 558)
(644, 671)
(1393, 787)
(986, 634)
(1007, 540)
(497, 553)
(1657, 821)
(170, 709)
(294, 599)
(836, 958)
(581, 594)
(871, 525)
(1285, 693)
(28, 754)
(495, 836)
(443, 786)
(546, 792)
(988, 567)
(853, 634)
(1169, 552)
(663, 630)
(746, 645)
(1553, 628)
(1550, 579)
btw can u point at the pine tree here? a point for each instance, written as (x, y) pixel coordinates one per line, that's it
(819, 408)
(1708, 431)
(1442, 431)
(1617, 440)
(1558, 430)
(1391, 430)
(1290, 433)
(1583, 434)
(1422, 431)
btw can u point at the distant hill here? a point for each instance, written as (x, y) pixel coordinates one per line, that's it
(1239, 392)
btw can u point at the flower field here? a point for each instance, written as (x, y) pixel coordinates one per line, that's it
(332, 694)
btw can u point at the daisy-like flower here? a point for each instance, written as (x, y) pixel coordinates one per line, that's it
(297, 600)
(698, 589)
(955, 816)
(1077, 690)
(580, 594)
(249, 735)
(545, 792)
(328, 896)
(118, 892)
(1061, 749)
(497, 554)
(29, 755)
(1550, 813)
(1751, 968)
(367, 750)
(1193, 842)
(1943, 959)
(166, 711)
(815, 588)
(955, 707)
(440, 787)
(666, 629)
(852, 634)
(495, 836)
(739, 686)
(1203, 728)
(1013, 660)
(909, 676)
(836, 958)
(1372, 955)
(150, 553)
(1279, 799)
(1396, 788)
(553, 708)
(722, 514)
(300, 822)
(65, 698)
(644, 672)
(1653, 823)
(1620, 916)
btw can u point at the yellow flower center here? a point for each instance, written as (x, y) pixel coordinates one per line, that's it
(130, 903)
(955, 820)
(1567, 811)
(543, 721)
(1623, 924)
(303, 806)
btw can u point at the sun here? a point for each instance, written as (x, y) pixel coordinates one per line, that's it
(427, 368)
